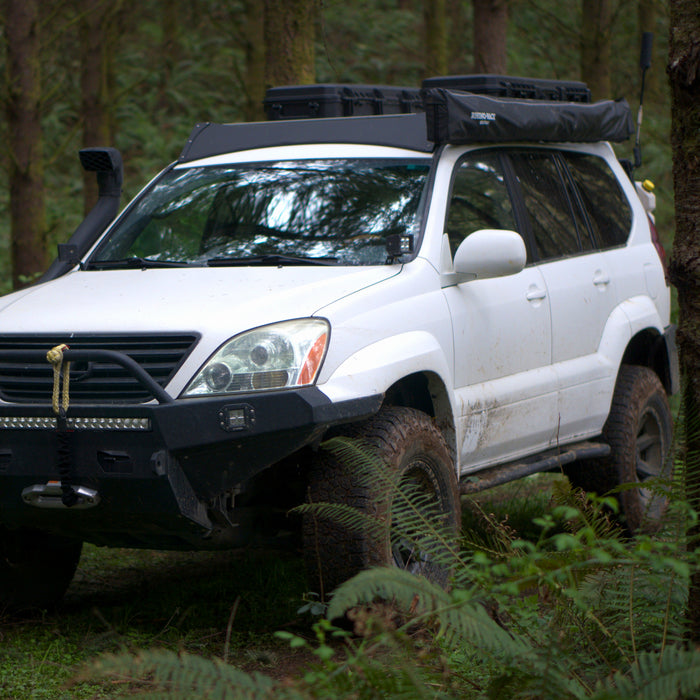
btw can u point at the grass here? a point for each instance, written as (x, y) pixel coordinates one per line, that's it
(215, 604)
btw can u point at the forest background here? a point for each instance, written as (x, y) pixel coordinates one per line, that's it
(138, 76)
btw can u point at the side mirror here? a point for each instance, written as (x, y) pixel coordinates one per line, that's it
(485, 254)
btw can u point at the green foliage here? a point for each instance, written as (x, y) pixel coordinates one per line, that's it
(578, 611)
(163, 673)
(609, 603)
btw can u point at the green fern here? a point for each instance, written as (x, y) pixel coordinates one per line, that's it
(165, 674)
(398, 506)
(583, 612)
(673, 673)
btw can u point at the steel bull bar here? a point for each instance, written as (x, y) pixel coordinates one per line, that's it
(63, 493)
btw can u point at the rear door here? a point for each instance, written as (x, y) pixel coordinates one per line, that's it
(580, 284)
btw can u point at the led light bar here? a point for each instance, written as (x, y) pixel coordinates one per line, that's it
(88, 423)
(34, 422)
(80, 423)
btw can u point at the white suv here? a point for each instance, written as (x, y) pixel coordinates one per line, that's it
(468, 303)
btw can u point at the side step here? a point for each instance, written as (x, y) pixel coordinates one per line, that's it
(474, 482)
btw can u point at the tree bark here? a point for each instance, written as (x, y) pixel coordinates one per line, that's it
(459, 39)
(254, 44)
(646, 15)
(596, 47)
(26, 177)
(96, 79)
(289, 42)
(490, 29)
(684, 74)
(436, 43)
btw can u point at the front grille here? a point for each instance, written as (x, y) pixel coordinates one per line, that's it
(97, 381)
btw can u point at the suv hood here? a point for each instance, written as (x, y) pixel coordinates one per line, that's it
(215, 302)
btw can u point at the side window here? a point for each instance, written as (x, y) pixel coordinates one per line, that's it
(606, 205)
(479, 198)
(553, 221)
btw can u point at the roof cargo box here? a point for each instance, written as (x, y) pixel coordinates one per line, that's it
(510, 86)
(463, 117)
(339, 100)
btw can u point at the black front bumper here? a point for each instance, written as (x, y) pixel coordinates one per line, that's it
(156, 478)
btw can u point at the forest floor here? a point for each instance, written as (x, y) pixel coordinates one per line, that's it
(225, 605)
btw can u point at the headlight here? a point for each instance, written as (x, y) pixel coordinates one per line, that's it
(281, 355)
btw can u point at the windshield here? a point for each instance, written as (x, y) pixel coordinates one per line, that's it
(332, 211)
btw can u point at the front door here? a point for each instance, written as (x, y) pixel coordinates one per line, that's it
(506, 388)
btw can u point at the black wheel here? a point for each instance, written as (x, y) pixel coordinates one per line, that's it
(639, 430)
(35, 568)
(415, 468)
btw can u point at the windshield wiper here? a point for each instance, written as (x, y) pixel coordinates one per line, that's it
(135, 263)
(272, 259)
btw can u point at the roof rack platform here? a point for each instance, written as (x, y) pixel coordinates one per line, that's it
(399, 131)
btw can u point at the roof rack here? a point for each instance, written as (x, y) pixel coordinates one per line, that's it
(399, 131)
(452, 109)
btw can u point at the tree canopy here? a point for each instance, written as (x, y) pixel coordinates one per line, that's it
(138, 76)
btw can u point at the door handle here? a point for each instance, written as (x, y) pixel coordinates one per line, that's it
(535, 293)
(601, 279)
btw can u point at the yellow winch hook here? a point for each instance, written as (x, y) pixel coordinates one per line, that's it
(55, 357)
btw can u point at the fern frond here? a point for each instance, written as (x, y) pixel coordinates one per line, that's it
(393, 505)
(458, 616)
(184, 676)
(345, 515)
(666, 676)
(591, 514)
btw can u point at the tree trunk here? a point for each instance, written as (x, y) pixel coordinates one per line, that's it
(596, 47)
(254, 42)
(289, 42)
(459, 38)
(95, 84)
(684, 73)
(646, 15)
(170, 22)
(436, 44)
(490, 28)
(26, 177)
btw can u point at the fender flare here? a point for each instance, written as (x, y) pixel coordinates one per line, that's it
(377, 366)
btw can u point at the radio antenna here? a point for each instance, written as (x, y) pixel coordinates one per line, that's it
(644, 64)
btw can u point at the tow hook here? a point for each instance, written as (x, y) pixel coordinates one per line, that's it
(50, 495)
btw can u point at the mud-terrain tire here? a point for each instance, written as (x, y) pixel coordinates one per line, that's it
(409, 447)
(36, 568)
(639, 430)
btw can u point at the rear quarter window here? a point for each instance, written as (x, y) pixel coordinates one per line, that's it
(606, 205)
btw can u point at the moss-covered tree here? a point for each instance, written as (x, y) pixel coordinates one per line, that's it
(596, 46)
(684, 73)
(254, 48)
(289, 42)
(436, 41)
(98, 35)
(24, 142)
(490, 29)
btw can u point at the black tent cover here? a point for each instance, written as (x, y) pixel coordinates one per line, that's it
(461, 117)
